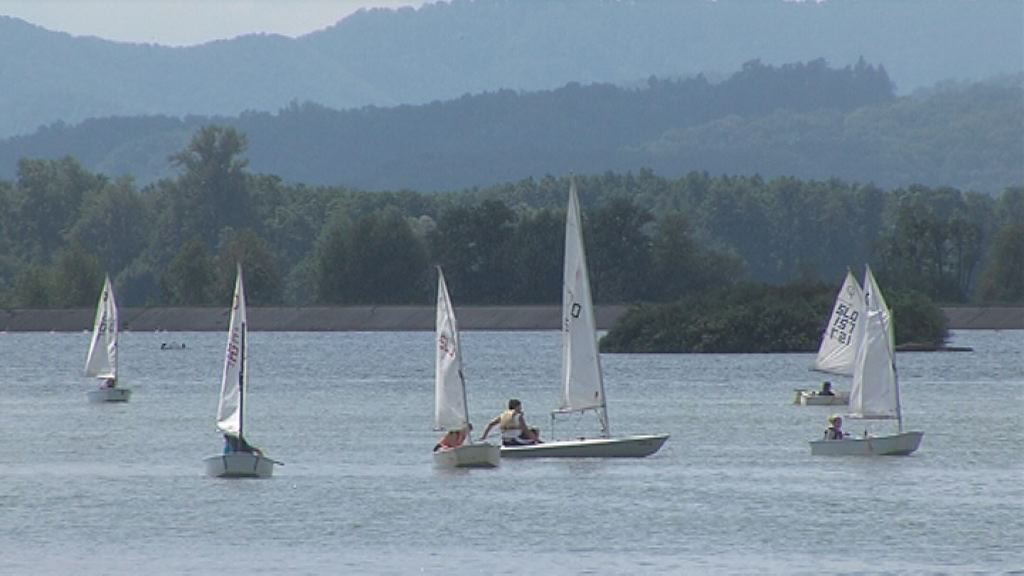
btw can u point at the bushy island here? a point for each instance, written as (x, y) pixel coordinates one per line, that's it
(750, 318)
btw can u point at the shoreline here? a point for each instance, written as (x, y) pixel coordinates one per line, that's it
(390, 318)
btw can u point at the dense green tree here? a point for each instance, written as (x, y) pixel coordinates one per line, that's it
(681, 266)
(32, 287)
(263, 283)
(933, 241)
(917, 319)
(498, 245)
(473, 245)
(211, 190)
(387, 263)
(9, 262)
(618, 250)
(76, 278)
(332, 261)
(374, 259)
(47, 202)
(743, 318)
(758, 318)
(115, 223)
(1003, 279)
(536, 268)
(289, 218)
(191, 278)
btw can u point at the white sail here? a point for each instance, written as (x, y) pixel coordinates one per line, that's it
(582, 384)
(842, 335)
(101, 361)
(875, 394)
(875, 302)
(234, 381)
(450, 408)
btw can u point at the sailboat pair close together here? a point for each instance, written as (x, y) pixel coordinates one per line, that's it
(582, 380)
(859, 341)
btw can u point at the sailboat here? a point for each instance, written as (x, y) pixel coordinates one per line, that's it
(582, 381)
(839, 343)
(875, 394)
(101, 361)
(242, 461)
(451, 410)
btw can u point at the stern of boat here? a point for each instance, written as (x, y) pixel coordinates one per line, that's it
(902, 444)
(626, 447)
(480, 455)
(239, 465)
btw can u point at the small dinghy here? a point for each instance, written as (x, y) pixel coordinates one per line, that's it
(839, 342)
(239, 460)
(582, 381)
(875, 394)
(101, 361)
(451, 410)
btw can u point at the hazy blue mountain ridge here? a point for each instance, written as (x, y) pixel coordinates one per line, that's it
(804, 120)
(444, 50)
(469, 141)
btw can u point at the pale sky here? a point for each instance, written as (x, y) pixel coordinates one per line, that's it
(187, 22)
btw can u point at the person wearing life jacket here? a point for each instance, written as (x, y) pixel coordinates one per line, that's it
(453, 438)
(512, 423)
(835, 428)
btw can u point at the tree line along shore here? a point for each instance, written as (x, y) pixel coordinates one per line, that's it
(384, 318)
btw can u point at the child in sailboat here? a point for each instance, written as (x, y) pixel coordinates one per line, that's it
(453, 438)
(512, 423)
(835, 428)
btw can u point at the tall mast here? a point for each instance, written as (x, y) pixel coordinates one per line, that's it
(241, 385)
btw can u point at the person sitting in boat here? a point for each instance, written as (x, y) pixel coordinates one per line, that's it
(453, 438)
(108, 383)
(826, 389)
(512, 423)
(234, 443)
(835, 428)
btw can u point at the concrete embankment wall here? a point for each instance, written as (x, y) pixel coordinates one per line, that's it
(308, 319)
(384, 318)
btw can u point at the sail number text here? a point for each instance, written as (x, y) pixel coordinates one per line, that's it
(446, 345)
(843, 324)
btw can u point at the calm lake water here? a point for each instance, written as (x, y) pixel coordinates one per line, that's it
(107, 489)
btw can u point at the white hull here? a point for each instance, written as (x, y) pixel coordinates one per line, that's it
(239, 465)
(468, 456)
(892, 445)
(627, 447)
(109, 395)
(812, 398)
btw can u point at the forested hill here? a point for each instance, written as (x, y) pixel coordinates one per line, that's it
(445, 49)
(805, 120)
